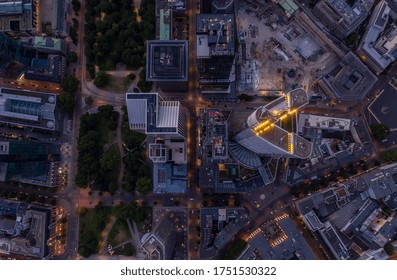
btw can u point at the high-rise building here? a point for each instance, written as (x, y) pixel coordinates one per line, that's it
(342, 17)
(160, 243)
(166, 61)
(34, 163)
(215, 52)
(265, 134)
(378, 46)
(148, 113)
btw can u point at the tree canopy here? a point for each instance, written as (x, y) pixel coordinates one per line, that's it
(69, 84)
(101, 79)
(144, 185)
(114, 35)
(379, 131)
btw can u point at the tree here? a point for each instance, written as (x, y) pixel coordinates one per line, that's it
(69, 84)
(144, 185)
(390, 155)
(379, 131)
(124, 210)
(89, 100)
(110, 159)
(245, 97)
(113, 187)
(72, 57)
(67, 102)
(76, 6)
(352, 39)
(131, 76)
(101, 79)
(389, 249)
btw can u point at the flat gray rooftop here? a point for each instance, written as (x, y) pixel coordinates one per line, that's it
(167, 61)
(350, 78)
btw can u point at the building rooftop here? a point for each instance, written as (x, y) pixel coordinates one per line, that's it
(265, 136)
(218, 226)
(51, 69)
(169, 178)
(349, 79)
(278, 239)
(379, 43)
(149, 114)
(10, 7)
(380, 182)
(34, 163)
(168, 239)
(18, 15)
(323, 122)
(215, 34)
(342, 17)
(176, 5)
(289, 6)
(23, 229)
(45, 43)
(29, 108)
(167, 61)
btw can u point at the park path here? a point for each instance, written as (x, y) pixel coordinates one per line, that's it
(135, 238)
(122, 244)
(105, 235)
(119, 141)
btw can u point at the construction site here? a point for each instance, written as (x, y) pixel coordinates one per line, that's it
(278, 53)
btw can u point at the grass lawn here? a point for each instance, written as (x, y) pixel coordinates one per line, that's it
(118, 84)
(119, 233)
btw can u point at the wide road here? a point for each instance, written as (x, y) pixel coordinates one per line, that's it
(69, 196)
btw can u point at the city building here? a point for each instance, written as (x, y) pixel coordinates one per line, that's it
(33, 163)
(171, 20)
(9, 68)
(265, 132)
(378, 46)
(342, 17)
(218, 172)
(215, 35)
(218, 226)
(58, 17)
(169, 178)
(43, 58)
(277, 239)
(45, 44)
(52, 69)
(289, 6)
(337, 143)
(348, 79)
(24, 229)
(19, 16)
(168, 239)
(148, 113)
(353, 217)
(216, 6)
(167, 61)
(24, 108)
